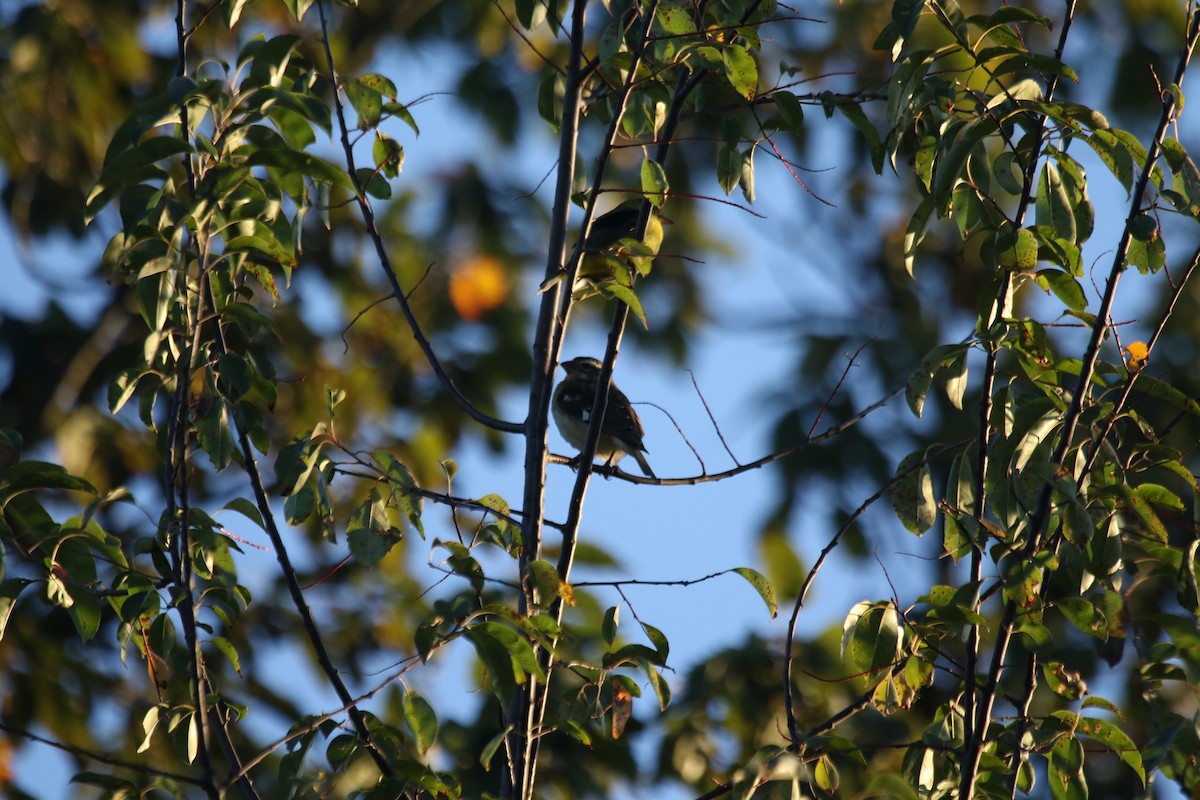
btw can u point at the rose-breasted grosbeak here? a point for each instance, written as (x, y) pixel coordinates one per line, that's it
(621, 431)
(612, 254)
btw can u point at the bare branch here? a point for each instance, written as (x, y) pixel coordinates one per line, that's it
(711, 419)
(104, 758)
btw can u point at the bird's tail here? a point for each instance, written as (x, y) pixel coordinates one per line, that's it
(644, 464)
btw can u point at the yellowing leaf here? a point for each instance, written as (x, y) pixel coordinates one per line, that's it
(1139, 354)
(477, 286)
(622, 709)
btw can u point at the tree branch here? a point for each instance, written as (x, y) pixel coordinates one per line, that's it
(385, 261)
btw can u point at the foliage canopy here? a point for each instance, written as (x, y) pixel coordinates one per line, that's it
(295, 335)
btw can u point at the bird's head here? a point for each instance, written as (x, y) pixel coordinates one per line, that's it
(583, 366)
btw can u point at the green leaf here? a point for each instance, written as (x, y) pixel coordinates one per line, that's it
(658, 639)
(373, 183)
(550, 99)
(1033, 62)
(661, 689)
(1023, 578)
(530, 13)
(969, 211)
(918, 383)
(924, 160)
(961, 528)
(405, 493)
(27, 476)
(490, 749)
(916, 389)
(517, 649)
(231, 10)
(629, 654)
(675, 18)
(369, 531)
(791, 112)
(872, 638)
(215, 435)
(1016, 250)
(654, 182)
(301, 163)
(1006, 169)
(1064, 287)
(626, 296)
(1065, 771)
(10, 589)
(854, 113)
(825, 775)
(85, 613)
(420, 719)
(379, 83)
(911, 494)
(1185, 177)
(1115, 156)
(1147, 251)
(1085, 616)
(262, 240)
(367, 103)
(761, 585)
(915, 233)
(746, 180)
(298, 7)
(229, 651)
(1115, 740)
(545, 578)
(1165, 391)
(956, 381)
(1137, 501)
(133, 165)
(951, 165)
(494, 654)
(401, 112)
(1053, 205)
(729, 167)
(608, 628)
(740, 70)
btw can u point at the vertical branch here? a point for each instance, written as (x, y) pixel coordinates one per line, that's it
(539, 695)
(1041, 514)
(517, 780)
(973, 736)
(176, 454)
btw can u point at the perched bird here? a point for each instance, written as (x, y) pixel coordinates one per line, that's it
(621, 431)
(609, 229)
(612, 251)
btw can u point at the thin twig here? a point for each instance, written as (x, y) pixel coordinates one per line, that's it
(837, 387)
(770, 458)
(713, 420)
(103, 758)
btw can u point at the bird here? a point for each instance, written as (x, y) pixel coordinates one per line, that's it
(612, 251)
(621, 432)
